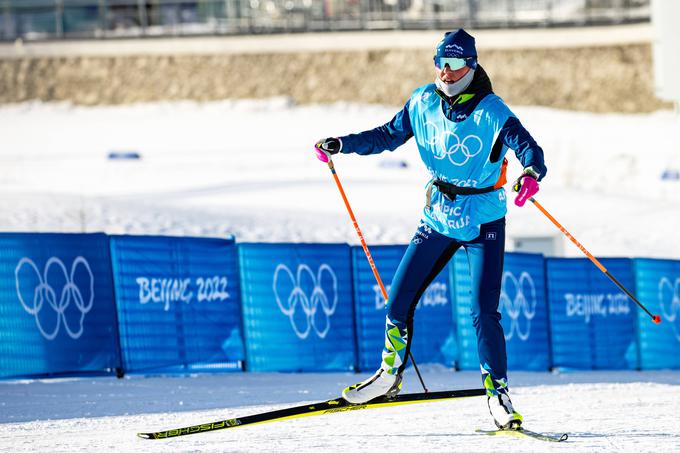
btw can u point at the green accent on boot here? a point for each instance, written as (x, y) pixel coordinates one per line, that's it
(488, 385)
(399, 346)
(389, 359)
(394, 351)
(351, 387)
(396, 339)
(394, 331)
(502, 383)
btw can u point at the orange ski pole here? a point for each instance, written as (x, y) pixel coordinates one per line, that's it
(655, 318)
(368, 255)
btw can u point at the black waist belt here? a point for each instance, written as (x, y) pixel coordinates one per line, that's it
(451, 191)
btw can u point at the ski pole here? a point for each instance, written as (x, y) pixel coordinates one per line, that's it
(655, 318)
(368, 256)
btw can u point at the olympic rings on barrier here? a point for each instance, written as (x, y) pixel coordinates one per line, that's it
(308, 303)
(58, 295)
(669, 302)
(447, 144)
(522, 304)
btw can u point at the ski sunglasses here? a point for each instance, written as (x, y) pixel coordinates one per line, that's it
(453, 63)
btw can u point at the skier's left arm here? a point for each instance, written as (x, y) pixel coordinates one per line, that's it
(530, 155)
(515, 136)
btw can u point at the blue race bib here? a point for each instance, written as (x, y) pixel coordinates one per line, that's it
(459, 153)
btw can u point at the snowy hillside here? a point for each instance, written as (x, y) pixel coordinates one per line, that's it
(246, 168)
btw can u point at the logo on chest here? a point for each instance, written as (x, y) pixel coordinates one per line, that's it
(448, 144)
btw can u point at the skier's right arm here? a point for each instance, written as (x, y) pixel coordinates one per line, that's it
(389, 136)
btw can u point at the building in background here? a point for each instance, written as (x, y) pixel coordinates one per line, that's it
(57, 19)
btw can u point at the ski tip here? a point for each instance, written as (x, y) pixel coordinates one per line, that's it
(563, 437)
(145, 435)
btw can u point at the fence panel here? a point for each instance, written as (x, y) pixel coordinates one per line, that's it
(178, 302)
(658, 288)
(592, 321)
(57, 311)
(297, 307)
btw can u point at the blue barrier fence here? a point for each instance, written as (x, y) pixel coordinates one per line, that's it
(178, 302)
(658, 287)
(591, 322)
(297, 307)
(57, 309)
(90, 303)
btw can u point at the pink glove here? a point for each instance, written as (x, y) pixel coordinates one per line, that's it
(326, 147)
(322, 155)
(526, 187)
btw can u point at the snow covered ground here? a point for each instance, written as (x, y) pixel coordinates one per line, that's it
(601, 411)
(246, 168)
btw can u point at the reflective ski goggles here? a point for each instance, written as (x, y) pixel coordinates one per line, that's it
(453, 63)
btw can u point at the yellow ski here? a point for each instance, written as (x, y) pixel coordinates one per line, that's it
(325, 407)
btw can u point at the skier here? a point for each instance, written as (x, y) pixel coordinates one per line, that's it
(463, 131)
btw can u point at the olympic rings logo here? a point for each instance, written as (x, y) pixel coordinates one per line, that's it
(55, 290)
(522, 302)
(669, 301)
(448, 144)
(304, 298)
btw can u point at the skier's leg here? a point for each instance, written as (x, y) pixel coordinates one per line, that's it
(485, 256)
(425, 257)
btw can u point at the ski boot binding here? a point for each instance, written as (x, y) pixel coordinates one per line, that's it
(504, 415)
(380, 384)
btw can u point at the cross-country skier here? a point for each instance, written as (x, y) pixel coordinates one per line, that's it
(463, 131)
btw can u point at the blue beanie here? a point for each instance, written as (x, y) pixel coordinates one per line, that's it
(458, 44)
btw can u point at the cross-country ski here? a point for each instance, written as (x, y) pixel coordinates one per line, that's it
(322, 408)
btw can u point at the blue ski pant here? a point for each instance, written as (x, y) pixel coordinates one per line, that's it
(426, 256)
